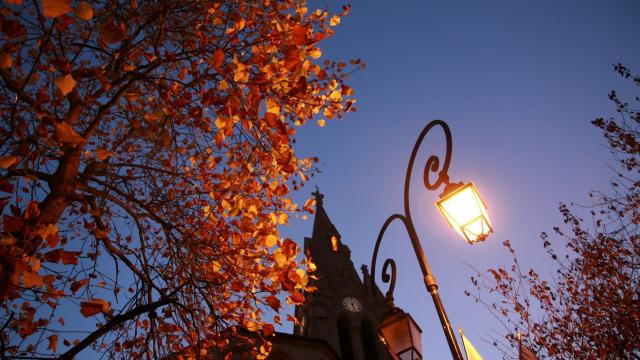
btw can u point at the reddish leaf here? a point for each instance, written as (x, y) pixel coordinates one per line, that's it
(11, 224)
(296, 298)
(32, 210)
(65, 83)
(70, 257)
(93, 307)
(31, 279)
(218, 58)
(268, 329)
(236, 286)
(76, 285)
(294, 320)
(6, 186)
(53, 343)
(111, 33)
(67, 135)
(52, 240)
(8, 161)
(83, 10)
(273, 302)
(53, 256)
(55, 8)
(299, 34)
(5, 61)
(102, 154)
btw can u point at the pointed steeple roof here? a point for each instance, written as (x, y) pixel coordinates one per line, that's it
(322, 225)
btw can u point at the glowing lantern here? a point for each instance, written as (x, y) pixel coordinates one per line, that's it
(465, 212)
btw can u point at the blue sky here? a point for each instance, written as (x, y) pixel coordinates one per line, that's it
(518, 83)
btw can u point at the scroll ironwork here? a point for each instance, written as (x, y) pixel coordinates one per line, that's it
(432, 166)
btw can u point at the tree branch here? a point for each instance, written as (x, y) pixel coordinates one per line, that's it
(111, 324)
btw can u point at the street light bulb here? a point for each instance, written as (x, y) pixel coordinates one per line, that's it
(466, 213)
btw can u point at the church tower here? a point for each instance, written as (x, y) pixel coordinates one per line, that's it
(344, 311)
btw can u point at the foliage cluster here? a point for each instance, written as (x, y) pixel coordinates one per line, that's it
(591, 307)
(146, 161)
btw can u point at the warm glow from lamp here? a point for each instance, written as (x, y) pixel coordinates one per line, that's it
(466, 213)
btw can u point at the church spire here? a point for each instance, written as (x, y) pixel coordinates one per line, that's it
(323, 228)
(319, 196)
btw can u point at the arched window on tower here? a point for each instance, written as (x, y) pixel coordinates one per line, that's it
(369, 340)
(346, 348)
(335, 245)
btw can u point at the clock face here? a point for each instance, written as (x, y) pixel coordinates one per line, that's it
(351, 304)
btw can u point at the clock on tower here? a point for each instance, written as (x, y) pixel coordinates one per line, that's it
(344, 311)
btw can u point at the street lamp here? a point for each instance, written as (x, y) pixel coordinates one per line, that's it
(402, 336)
(465, 211)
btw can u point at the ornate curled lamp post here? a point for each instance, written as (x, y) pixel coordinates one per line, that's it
(464, 211)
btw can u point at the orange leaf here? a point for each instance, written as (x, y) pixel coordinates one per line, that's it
(66, 134)
(111, 33)
(7, 161)
(315, 53)
(299, 34)
(84, 11)
(76, 285)
(31, 279)
(335, 95)
(31, 211)
(52, 256)
(49, 233)
(93, 307)
(335, 20)
(291, 58)
(65, 83)
(69, 257)
(102, 154)
(273, 302)
(236, 286)
(293, 320)
(49, 279)
(5, 61)
(321, 122)
(296, 298)
(271, 240)
(268, 329)
(53, 343)
(55, 8)
(280, 258)
(251, 325)
(218, 58)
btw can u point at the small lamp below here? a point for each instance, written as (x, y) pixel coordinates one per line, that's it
(402, 336)
(464, 210)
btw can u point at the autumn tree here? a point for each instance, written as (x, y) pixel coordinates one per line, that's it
(146, 162)
(590, 308)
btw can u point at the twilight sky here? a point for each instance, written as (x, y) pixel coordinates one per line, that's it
(518, 83)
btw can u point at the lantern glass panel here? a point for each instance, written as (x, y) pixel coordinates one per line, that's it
(416, 336)
(410, 354)
(466, 213)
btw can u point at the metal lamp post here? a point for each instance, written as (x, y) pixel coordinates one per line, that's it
(464, 211)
